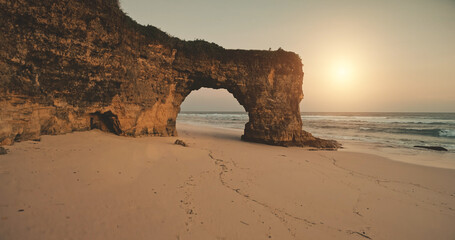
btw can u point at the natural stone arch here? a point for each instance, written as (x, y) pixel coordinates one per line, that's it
(98, 63)
(268, 93)
(268, 84)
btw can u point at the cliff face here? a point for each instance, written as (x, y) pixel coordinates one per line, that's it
(76, 65)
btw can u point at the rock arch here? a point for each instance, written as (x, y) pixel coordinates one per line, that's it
(57, 69)
(270, 94)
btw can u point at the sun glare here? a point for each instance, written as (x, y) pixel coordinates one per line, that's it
(342, 72)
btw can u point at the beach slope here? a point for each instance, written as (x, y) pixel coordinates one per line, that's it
(94, 185)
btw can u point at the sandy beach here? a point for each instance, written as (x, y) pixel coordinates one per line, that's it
(95, 185)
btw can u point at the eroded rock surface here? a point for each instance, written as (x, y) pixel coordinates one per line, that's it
(75, 65)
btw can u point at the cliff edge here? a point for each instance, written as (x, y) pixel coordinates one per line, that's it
(77, 65)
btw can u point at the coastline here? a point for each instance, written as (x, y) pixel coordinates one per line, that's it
(101, 186)
(416, 156)
(424, 157)
(400, 130)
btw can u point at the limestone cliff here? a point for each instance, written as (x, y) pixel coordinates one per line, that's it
(75, 65)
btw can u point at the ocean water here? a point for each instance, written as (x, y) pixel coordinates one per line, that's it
(394, 130)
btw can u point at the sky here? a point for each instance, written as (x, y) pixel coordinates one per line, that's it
(358, 55)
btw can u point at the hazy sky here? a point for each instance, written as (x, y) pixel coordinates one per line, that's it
(358, 55)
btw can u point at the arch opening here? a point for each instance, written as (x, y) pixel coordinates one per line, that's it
(213, 107)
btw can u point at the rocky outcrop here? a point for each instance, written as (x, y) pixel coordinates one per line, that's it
(436, 148)
(75, 65)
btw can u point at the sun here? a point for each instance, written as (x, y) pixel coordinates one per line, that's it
(342, 72)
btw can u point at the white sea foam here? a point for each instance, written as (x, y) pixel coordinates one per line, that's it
(447, 133)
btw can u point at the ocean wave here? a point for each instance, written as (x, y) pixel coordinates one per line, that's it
(435, 132)
(429, 121)
(432, 132)
(381, 120)
(447, 133)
